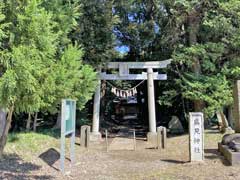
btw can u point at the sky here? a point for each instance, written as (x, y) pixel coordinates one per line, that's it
(122, 49)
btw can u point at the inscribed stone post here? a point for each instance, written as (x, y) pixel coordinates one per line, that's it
(196, 136)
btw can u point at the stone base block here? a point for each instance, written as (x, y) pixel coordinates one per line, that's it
(95, 136)
(152, 137)
(85, 136)
(232, 157)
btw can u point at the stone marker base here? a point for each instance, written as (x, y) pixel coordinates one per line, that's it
(85, 136)
(95, 136)
(152, 137)
(232, 157)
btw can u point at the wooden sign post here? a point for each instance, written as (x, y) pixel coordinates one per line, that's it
(68, 121)
(196, 129)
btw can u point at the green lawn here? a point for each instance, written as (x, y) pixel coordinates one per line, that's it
(32, 143)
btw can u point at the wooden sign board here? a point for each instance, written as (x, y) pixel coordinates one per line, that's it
(196, 129)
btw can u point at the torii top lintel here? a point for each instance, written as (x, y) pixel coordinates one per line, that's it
(140, 65)
(125, 66)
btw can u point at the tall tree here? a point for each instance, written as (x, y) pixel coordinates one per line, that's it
(94, 31)
(38, 67)
(139, 28)
(205, 52)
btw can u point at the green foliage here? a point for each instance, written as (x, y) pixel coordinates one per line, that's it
(39, 65)
(65, 14)
(94, 31)
(213, 90)
(215, 51)
(72, 78)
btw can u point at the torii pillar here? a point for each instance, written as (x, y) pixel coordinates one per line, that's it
(152, 134)
(95, 134)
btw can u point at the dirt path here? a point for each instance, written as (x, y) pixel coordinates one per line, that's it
(144, 163)
(122, 141)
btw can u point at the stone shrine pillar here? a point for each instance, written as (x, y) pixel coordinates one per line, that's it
(152, 134)
(236, 94)
(96, 135)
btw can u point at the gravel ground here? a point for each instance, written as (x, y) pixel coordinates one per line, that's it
(144, 163)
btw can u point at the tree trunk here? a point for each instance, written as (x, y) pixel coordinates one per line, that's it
(193, 29)
(230, 115)
(35, 122)
(3, 119)
(58, 123)
(3, 139)
(28, 126)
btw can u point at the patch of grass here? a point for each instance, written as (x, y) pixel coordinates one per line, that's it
(212, 137)
(12, 138)
(28, 144)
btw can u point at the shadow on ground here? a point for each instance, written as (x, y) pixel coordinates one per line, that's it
(212, 132)
(50, 157)
(13, 167)
(215, 154)
(174, 161)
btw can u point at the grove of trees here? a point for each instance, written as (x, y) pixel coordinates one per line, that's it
(40, 64)
(49, 50)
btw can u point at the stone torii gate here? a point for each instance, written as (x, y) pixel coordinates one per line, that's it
(123, 74)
